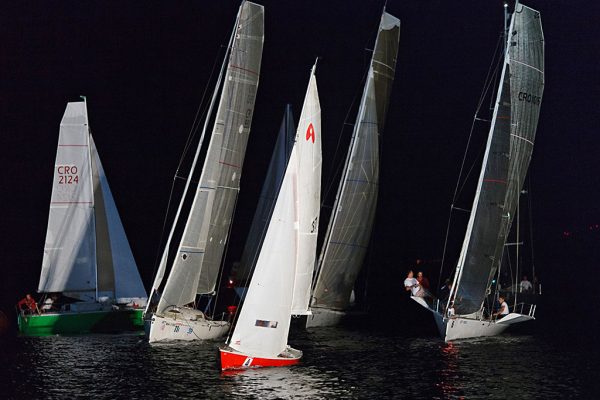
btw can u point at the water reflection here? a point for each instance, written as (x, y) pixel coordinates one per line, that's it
(282, 383)
(337, 363)
(449, 372)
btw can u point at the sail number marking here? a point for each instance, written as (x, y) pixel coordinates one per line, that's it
(67, 174)
(310, 133)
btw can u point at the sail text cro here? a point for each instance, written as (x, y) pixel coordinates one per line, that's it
(67, 174)
(530, 98)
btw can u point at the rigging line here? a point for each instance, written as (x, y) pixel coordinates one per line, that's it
(191, 135)
(492, 71)
(481, 150)
(518, 230)
(222, 264)
(163, 262)
(332, 175)
(198, 117)
(496, 61)
(529, 201)
(359, 89)
(489, 77)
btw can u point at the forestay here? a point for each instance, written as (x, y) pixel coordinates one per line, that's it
(196, 264)
(350, 226)
(506, 160)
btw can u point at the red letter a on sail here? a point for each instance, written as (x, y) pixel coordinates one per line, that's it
(310, 133)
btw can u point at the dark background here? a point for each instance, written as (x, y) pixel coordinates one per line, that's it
(144, 67)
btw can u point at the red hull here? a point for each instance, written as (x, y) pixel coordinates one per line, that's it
(231, 359)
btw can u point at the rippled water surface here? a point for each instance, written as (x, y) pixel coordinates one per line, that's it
(359, 362)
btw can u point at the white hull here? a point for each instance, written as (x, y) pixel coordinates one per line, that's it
(324, 317)
(457, 328)
(187, 326)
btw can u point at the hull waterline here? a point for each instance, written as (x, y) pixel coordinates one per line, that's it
(74, 323)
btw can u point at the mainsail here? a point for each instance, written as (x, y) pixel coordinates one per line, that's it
(264, 320)
(69, 262)
(506, 160)
(196, 264)
(350, 226)
(268, 194)
(86, 254)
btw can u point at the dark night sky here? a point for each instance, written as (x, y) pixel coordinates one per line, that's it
(143, 67)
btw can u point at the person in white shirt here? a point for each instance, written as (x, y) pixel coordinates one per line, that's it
(525, 285)
(451, 313)
(411, 284)
(503, 311)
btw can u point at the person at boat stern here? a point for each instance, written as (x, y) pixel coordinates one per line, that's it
(28, 305)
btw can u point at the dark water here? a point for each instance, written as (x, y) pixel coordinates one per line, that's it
(360, 362)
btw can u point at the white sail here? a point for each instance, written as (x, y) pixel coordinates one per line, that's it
(308, 144)
(349, 230)
(86, 255)
(196, 264)
(264, 320)
(126, 281)
(69, 262)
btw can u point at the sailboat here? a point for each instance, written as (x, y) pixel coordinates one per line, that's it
(88, 268)
(196, 264)
(505, 163)
(280, 284)
(349, 230)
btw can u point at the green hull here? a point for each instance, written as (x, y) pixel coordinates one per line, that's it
(73, 323)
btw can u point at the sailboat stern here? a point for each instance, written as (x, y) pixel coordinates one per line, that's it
(234, 359)
(515, 318)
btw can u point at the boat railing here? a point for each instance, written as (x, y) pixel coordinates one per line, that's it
(525, 309)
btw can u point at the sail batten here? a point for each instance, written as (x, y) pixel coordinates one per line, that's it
(349, 230)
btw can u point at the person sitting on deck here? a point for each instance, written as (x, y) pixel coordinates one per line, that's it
(503, 311)
(412, 285)
(48, 304)
(28, 305)
(450, 313)
(424, 282)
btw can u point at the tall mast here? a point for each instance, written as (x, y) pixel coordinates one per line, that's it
(89, 151)
(505, 26)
